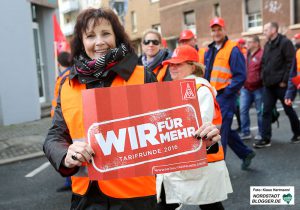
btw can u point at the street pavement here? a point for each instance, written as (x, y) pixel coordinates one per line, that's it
(23, 141)
(274, 166)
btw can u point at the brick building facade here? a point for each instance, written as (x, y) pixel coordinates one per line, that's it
(242, 17)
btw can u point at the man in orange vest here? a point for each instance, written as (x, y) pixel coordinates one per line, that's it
(291, 91)
(64, 65)
(189, 38)
(225, 69)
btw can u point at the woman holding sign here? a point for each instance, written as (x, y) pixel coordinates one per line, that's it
(206, 186)
(103, 57)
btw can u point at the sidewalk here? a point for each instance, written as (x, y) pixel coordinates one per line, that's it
(23, 141)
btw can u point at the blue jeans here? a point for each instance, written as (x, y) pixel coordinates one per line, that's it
(228, 136)
(246, 99)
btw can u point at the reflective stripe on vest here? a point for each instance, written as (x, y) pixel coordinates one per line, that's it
(298, 61)
(217, 120)
(221, 74)
(71, 106)
(160, 72)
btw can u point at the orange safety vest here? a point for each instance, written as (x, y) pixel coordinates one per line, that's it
(160, 72)
(71, 106)
(201, 53)
(221, 74)
(298, 61)
(56, 89)
(217, 120)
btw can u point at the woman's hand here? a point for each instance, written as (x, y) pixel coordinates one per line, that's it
(208, 132)
(78, 152)
(288, 102)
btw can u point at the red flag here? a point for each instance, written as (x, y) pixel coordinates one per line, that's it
(60, 41)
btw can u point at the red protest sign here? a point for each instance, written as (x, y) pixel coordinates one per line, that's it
(143, 130)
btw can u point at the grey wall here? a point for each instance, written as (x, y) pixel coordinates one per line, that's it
(18, 75)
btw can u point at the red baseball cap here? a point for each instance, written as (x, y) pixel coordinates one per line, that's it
(186, 34)
(182, 54)
(217, 21)
(297, 36)
(241, 41)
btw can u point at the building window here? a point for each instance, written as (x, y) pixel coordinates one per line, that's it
(133, 21)
(190, 21)
(189, 18)
(119, 7)
(253, 14)
(157, 27)
(217, 10)
(297, 11)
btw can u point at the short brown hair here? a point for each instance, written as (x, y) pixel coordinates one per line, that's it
(92, 14)
(63, 59)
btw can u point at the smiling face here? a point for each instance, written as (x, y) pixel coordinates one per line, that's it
(98, 38)
(218, 34)
(181, 70)
(149, 48)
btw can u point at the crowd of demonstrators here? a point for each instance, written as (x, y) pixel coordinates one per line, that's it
(103, 57)
(206, 186)
(154, 54)
(277, 61)
(64, 66)
(225, 69)
(252, 90)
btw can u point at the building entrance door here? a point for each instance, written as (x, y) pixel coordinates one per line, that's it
(39, 62)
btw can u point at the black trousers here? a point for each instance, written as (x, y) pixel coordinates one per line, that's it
(94, 199)
(270, 96)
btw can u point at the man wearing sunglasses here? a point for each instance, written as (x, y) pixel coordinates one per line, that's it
(153, 55)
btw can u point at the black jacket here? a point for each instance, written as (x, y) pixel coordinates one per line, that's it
(166, 54)
(58, 138)
(277, 61)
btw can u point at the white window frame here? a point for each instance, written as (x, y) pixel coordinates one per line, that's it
(191, 27)
(133, 22)
(256, 27)
(217, 10)
(157, 27)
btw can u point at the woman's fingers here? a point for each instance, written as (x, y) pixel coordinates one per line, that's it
(207, 131)
(78, 152)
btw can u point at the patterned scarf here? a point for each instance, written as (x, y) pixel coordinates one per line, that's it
(97, 67)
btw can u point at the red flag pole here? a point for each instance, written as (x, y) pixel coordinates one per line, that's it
(60, 42)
